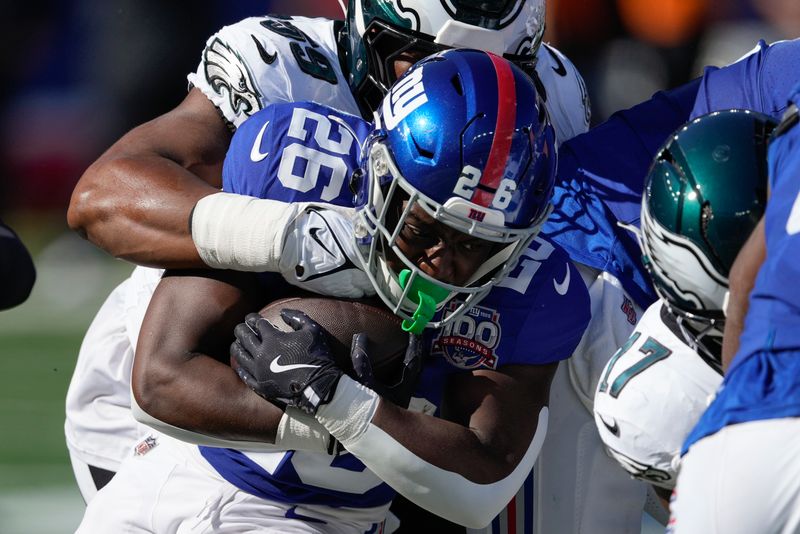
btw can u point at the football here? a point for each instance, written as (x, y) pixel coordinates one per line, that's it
(341, 319)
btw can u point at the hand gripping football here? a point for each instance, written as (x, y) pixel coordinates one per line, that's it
(341, 319)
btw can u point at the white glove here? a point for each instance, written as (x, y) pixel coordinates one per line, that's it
(319, 254)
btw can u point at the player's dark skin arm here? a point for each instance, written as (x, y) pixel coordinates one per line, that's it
(741, 280)
(181, 373)
(135, 200)
(492, 417)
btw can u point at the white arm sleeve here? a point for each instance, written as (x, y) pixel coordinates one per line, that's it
(296, 431)
(447, 494)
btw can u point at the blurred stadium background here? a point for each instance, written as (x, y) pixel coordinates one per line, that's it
(76, 74)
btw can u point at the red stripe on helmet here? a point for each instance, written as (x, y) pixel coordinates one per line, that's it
(503, 131)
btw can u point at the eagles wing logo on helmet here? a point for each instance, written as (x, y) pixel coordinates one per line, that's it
(680, 267)
(703, 195)
(225, 69)
(642, 471)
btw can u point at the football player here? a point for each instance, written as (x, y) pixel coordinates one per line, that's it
(597, 189)
(135, 201)
(445, 218)
(740, 471)
(703, 197)
(146, 223)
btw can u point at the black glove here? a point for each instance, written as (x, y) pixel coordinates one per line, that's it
(401, 390)
(287, 368)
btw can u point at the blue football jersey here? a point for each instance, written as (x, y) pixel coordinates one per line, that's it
(295, 153)
(760, 81)
(763, 381)
(600, 182)
(601, 173)
(306, 152)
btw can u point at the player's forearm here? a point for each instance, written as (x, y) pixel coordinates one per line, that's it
(205, 396)
(740, 282)
(137, 209)
(447, 445)
(436, 464)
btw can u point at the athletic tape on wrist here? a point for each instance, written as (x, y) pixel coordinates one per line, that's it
(350, 411)
(300, 431)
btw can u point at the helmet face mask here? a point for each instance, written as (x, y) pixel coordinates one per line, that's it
(378, 31)
(703, 196)
(384, 45)
(391, 200)
(439, 157)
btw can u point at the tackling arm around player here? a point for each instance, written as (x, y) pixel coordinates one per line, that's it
(135, 201)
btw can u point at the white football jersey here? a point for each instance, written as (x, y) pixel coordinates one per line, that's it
(244, 68)
(100, 429)
(565, 95)
(264, 60)
(650, 395)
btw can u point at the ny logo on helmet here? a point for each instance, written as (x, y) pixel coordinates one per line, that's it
(407, 95)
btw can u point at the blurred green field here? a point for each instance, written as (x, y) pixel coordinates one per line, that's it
(33, 382)
(39, 343)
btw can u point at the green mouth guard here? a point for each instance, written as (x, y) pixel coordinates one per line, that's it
(426, 295)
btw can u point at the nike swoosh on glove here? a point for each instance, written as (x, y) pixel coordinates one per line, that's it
(319, 254)
(293, 368)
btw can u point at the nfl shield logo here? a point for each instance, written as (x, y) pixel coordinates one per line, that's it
(145, 446)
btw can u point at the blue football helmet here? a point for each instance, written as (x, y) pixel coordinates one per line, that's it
(450, 138)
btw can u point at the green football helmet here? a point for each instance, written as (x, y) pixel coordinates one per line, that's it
(705, 192)
(377, 32)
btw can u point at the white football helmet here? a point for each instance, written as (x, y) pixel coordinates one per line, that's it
(379, 31)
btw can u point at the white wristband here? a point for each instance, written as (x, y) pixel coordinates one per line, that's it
(239, 232)
(350, 411)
